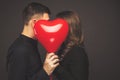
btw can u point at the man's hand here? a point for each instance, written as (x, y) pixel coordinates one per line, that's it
(50, 63)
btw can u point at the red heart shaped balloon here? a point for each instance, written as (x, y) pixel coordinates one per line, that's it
(51, 33)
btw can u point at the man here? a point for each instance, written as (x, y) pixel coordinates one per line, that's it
(23, 58)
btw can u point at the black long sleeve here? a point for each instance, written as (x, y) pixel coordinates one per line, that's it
(74, 66)
(24, 61)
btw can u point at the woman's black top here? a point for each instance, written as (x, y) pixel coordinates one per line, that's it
(74, 66)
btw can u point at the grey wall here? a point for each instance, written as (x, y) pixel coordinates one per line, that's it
(100, 22)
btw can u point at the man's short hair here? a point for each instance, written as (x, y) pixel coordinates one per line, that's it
(34, 8)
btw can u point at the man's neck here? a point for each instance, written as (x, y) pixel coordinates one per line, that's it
(28, 31)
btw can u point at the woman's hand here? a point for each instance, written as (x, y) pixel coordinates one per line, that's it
(50, 63)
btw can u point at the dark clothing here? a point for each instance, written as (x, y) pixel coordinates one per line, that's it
(74, 65)
(24, 61)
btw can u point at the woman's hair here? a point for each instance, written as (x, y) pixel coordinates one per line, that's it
(75, 36)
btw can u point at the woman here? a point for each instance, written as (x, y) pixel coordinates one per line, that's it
(73, 59)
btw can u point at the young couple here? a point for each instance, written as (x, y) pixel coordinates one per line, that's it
(70, 62)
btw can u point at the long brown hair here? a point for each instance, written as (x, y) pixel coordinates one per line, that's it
(75, 36)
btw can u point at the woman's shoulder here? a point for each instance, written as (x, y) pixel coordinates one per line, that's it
(76, 54)
(77, 51)
(77, 48)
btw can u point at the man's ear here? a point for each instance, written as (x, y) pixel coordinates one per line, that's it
(33, 21)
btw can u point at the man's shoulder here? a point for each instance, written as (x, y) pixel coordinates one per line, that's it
(17, 47)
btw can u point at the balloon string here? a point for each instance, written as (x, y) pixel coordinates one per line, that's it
(51, 77)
